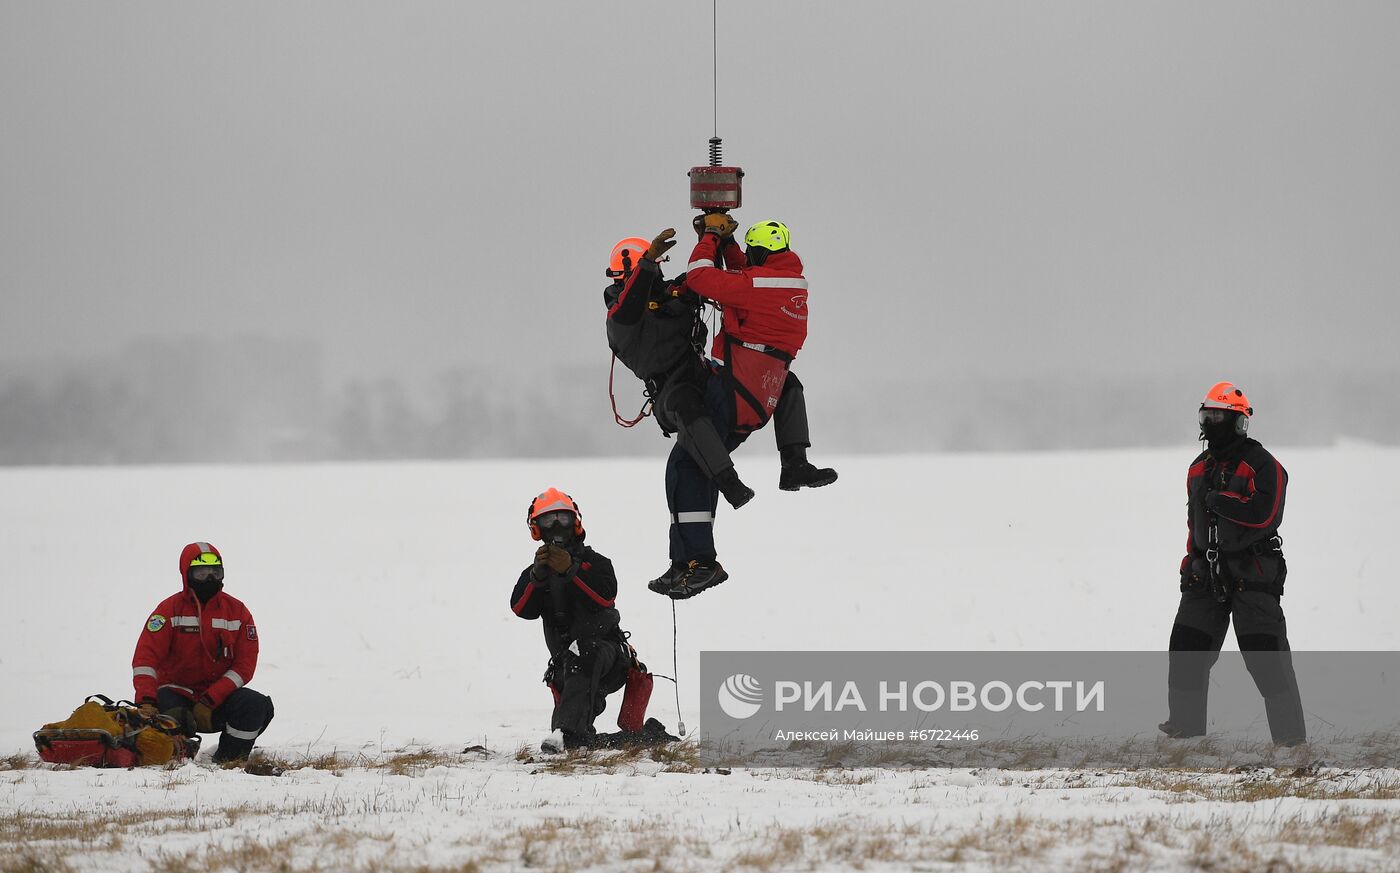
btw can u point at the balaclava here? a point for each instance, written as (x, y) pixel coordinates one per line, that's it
(1220, 434)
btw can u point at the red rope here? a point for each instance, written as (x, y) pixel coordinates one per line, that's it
(646, 407)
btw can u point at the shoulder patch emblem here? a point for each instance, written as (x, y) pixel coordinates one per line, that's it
(252, 632)
(155, 623)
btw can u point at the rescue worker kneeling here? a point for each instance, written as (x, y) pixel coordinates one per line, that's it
(572, 589)
(195, 656)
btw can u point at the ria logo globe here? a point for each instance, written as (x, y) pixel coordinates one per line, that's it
(740, 696)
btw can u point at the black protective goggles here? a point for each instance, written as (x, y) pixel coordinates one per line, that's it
(207, 573)
(557, 518)
(1213, 416)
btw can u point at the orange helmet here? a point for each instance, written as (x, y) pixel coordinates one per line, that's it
(1224, 395)
(625, 256)
(552, 500)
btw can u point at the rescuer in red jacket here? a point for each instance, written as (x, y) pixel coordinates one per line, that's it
(764, 298)
(196, 654)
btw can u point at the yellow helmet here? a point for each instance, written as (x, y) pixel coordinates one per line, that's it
(770, 235)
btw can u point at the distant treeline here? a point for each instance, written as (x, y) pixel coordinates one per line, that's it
(257, 399)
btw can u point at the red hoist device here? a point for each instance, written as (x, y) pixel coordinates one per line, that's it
(716, 188)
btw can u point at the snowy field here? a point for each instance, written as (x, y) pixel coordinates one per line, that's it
(381, 596)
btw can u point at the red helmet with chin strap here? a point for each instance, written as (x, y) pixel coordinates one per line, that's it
(1226, 398)
(625, 256)
(1224, 395)
(552, 500)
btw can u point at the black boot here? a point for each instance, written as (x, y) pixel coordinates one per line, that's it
(798, 472)
(698, 576)
(666, 581)
(232, 749)
(1175, 731)
(734, 491)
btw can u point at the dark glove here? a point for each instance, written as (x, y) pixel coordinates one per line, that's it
(720, 224)
(661, 244)
(559, 559)
(541, 566)
(204, 716)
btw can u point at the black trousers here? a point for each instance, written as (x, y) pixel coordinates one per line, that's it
(239, 720)
(1262, 633)
(583, 682)
(683, 408)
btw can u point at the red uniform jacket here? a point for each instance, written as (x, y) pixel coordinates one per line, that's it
(207, 650)
(764, 305)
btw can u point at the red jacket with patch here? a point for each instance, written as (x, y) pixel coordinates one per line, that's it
(199, 650)
(764, 305)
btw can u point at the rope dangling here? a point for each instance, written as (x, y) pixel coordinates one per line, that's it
(675, 668)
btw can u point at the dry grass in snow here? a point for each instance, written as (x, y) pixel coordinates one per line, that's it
(648, 810)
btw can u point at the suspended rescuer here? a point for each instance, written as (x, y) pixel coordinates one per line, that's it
(571, 590)
(1233, 569)
(654, 327)
(195, 656)
(763, 295)
(658, 334)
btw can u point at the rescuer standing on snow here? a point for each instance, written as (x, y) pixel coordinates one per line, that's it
(1233, 569)
(764, 297)
(572, 590)
(196, 655)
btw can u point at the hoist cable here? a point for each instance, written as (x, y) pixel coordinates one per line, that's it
(714, 44)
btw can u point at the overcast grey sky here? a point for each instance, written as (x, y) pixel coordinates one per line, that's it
(1000, 188)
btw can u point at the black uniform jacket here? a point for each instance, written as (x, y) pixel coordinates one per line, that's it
(1243, 489)
(574, 606)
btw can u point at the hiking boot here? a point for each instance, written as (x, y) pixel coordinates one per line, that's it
(734, 491)
(666, 581)
(798, 472)
(804, 475)
(232, 749)
(653, 733)
(698, 576)
(1174, 731)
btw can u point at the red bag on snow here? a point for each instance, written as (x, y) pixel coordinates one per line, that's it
(637, 694)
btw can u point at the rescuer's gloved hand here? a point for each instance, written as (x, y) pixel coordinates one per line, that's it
(699, 224)
(204, 716)
(720, 224)
(661, 244)
(148, 709)
(559, 559)
(541, 567)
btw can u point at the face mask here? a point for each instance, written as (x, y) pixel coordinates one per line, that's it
(557, 534)
(1219, 431)
(756, 255)
(206, 589)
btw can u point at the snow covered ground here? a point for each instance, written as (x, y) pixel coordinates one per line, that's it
(380, 592)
